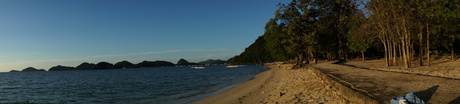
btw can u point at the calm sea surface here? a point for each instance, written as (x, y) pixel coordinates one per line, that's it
(162, 85)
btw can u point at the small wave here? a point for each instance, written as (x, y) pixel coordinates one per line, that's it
(190, 94)
(27, 102)
(185, 96)
(11, 87)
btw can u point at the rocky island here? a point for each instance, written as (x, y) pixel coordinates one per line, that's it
(28, 69)
(123, 65)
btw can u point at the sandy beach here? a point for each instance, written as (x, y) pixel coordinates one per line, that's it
(284, 86)
(441, 67)
(384, 85)
(350, 82)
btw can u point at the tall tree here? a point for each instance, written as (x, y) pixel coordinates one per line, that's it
(393, 21)
(297, 21)
(359, 38)
(254, 54)
(273, 36)
(449, 12)
(334, 19)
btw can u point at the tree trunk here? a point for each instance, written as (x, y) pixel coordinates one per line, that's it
(428, 44)
(404, 49)
(310, 57)
(299, 61)
(386, 54)
(420, 55)
(314, 58)
(453, 53)
(407, 44)
(390, 52)
(362, 53)
(394, 53)
(409, 51)
(412, 50)
(339, 45)
(401, 58)
(346, 55)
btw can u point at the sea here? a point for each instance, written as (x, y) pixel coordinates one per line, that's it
(158, 85)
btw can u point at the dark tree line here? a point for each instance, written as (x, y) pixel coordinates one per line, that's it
(254, 54)
(307, 30)
(411, 28)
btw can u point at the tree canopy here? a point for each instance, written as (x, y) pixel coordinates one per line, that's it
(306, 30)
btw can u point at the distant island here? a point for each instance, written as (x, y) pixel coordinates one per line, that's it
(124, 65)
(28, 69)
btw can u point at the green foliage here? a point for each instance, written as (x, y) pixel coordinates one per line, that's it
(273, 37)
(297, 20)
(256, 53)
(308, 29)
(358, 45)
(359, 37)
(302, 29)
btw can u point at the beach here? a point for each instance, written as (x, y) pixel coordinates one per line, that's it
(440, 66)
(351, 82)
(283, 85)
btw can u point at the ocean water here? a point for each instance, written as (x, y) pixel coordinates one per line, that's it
(161, 85)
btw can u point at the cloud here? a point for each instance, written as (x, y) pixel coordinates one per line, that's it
(159, 52)
(46, 64)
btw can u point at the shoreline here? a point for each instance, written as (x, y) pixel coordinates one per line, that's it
(236, 93)
(281, 85)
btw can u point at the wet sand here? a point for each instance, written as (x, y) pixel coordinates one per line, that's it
(237, 93)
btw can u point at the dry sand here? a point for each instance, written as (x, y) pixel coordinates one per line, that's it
(442, 67)
(384, 85)
(345, 83)
(283, 86)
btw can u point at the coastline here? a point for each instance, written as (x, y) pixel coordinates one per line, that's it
(235, 94)
(281, 85)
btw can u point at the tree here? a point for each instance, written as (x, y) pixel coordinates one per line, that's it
(448, 12)
(297, 20)
(400, 23)
(392, 19)
(335, 17)
(256, 53)
(304, 30)
(359, 39)
(273, 36)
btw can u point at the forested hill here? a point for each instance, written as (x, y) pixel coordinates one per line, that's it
(254, 54)
(401, 31)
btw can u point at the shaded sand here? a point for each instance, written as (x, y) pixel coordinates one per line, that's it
(383, 85)
(284, 86)
(442, 67)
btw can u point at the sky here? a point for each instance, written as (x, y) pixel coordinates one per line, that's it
(46, 33)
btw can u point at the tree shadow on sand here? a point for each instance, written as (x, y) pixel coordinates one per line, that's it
(427, 94)
(344, 63)
(455, 101)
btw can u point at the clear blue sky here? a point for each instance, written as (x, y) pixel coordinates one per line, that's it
(45, 33)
